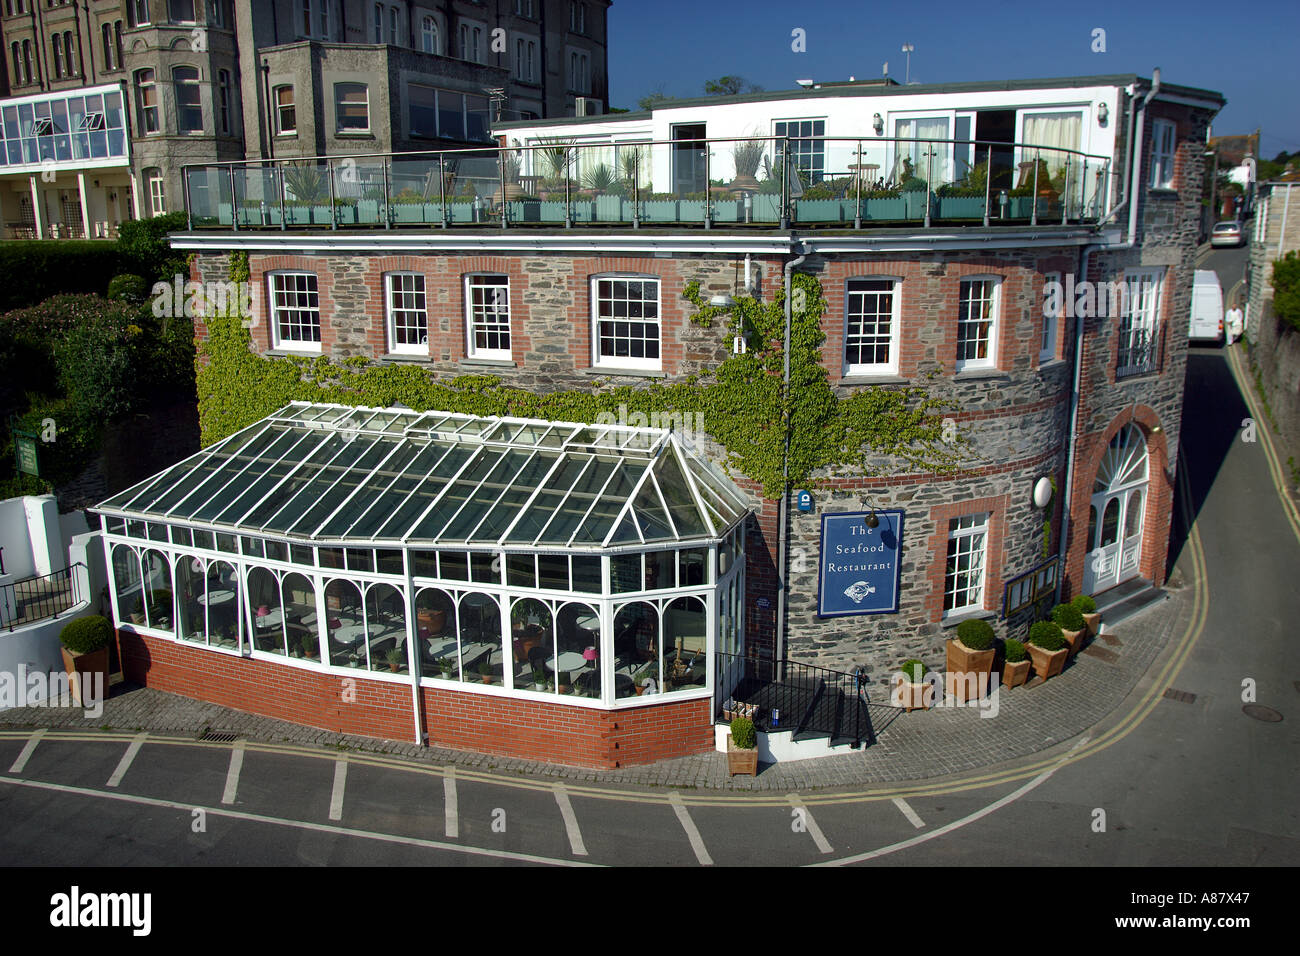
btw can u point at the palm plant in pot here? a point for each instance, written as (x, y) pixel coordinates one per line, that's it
(85, 651)
(747, 155)
(911, 690)
(742, 747)
(1088, 608)
(1047, 649)
(1069, 619)
(970, 660)
(1015, 669)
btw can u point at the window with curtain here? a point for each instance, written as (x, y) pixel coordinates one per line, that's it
(927, 160)
(1053, 132)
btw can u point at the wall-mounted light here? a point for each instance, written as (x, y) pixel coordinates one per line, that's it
(1103, 113)
(1042, 492)
(878, 122)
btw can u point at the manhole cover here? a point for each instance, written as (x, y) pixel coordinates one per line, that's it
(1260, 712)
(1182, 696)
(225, 737)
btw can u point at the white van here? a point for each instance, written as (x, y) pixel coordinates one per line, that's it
(1207, 308)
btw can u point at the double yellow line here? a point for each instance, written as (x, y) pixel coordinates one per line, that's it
(1281, 480)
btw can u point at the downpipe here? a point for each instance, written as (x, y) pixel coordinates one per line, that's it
(784, 507)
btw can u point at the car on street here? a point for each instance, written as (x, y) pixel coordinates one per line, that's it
(1227, 233)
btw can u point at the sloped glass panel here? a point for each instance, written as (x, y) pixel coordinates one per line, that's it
(569, 515)
(260, 486)
(626, 532)
(381, 509)
(598, 524)
(461, 527)
(217, 498)
(432, 526)
(399, 525)
(211, 475)
(514, 498)
(547, 503)
(311, 485)
(677, 495)
(321, 495)
(142, 495)
(330, 445)
(649, 512)
(338, 524)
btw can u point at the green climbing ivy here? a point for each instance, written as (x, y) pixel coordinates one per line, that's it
(741, 402)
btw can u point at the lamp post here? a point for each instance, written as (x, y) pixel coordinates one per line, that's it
(907, 75)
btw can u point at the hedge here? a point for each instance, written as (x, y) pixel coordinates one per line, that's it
(36, 269)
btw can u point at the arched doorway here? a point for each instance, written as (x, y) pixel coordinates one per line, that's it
(1116, 518)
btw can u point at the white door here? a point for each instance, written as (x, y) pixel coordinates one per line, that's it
(1115, 521)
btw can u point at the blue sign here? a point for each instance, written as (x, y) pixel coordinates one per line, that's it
(804, 498)
(860, 565)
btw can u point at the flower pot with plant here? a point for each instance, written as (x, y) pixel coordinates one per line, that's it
(1073, 629)
(747, 155)
(970, 660)
(1015, 669)
(742, 747)
(1086, 606)
(85, 651)
(911, 690)
(485, 672)
(1047, 649)
(395, 659)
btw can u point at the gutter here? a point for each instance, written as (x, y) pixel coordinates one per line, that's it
(783, 535)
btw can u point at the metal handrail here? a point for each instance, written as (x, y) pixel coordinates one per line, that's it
(18, 598)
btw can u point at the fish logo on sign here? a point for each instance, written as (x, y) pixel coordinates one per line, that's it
(859, 590)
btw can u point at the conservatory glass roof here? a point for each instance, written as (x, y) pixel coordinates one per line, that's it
(392, 476)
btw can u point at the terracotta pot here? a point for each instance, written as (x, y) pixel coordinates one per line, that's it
(434, 619)
(741, 761)
(1073, 640)
(1015, 674)
(485, 678)
(1093, 622)
(962, 660)
(96, 662)
(911, 696)
(1047, 663)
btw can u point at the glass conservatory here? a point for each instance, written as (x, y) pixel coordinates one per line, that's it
(597, 565)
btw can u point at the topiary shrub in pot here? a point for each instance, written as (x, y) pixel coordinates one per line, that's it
(742, 747)
(910, 690)
(85, 652)
(1015, 669)
(1047, 649)
(1070, 621)
(970, 660)
(1088, 608)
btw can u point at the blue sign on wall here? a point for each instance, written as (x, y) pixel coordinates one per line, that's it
(804, 500)
(860, 565)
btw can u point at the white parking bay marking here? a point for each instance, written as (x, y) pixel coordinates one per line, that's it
(688, 825)
(908, 812)
(809, 823)
(340, 782)
(124, 764)
(453, 814)
(28, 749)
(570, 821)
(232, 775)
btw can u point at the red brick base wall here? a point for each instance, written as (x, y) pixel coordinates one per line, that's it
(534, 730)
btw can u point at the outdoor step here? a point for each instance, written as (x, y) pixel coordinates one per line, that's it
(1120, 593)
(1134, 603)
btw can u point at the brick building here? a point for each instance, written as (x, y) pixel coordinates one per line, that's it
(556, 280)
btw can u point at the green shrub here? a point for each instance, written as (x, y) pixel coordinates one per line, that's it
(915, 185)
(1047, 635)
(144, 249)
(1286, 289)
(128, 287)
(1068, 617)
(86, 634)
(975, 634)
(35, 270)
(913, 670)
(743, 734)
(1085, 604)
(1015, 651)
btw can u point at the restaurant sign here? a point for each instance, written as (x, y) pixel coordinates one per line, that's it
(859, 570)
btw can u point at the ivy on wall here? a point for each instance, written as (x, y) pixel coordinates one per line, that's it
(741, 402)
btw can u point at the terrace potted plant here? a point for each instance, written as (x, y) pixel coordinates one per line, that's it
(447, 668)
(1088, 608)
(485, 672)
(394, 657)
(1015, 669)
(85, 650)
(309, 645)
(1073, 629)
(747, 155)
(972, 652)
(742, 747)
(911, 690)
(1047, 649)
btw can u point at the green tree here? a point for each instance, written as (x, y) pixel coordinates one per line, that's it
(730, 86)
(654, 98)
(1286, 290)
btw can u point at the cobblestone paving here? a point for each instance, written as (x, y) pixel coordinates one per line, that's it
(916, 746)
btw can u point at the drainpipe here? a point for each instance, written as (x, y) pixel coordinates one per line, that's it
(1137, 161)
(783, 536)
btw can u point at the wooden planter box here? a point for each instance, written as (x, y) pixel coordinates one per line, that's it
(883, 209)
(821, 210)
(962, 660)
(96, 662)
(958, 207)
(741, 761)
(911, 696)
(1047, 663)
(1073, 640)
(1093, 623)
(1015, 674)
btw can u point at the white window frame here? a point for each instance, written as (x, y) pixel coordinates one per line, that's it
(1164, 144)
(600, 360)
(1048, 333)
(340, 130)
(139, 13)
(147, 110)
(478, 315)
(280, 128)
(580, 72)
(195, 84)
(960, 532)
(278, 341)
(417, 308)
(1140, 319)
(156, 188)
(429, 34)
(990, 360)
(890, 366)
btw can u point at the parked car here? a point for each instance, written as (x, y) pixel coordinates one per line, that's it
(1227, 234)
(1207, 308)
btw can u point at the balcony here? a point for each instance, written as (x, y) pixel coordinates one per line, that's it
(736, 183)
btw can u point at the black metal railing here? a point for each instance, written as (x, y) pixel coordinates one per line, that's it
(806, 699)
(38, 598)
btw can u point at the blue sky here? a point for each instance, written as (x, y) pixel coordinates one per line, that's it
(1254, 61)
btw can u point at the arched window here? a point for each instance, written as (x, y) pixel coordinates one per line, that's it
(126, 581)
(191, 613)
(266, 611)
(578, 647)
(429, 35)
(636, 650)
(532, 639)
(386, 628)
(685, 661)
(189, 106)
(345, 624)
(301, 629)
(222, 601)
(436, 633)
(481, 655)
(157, 598)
